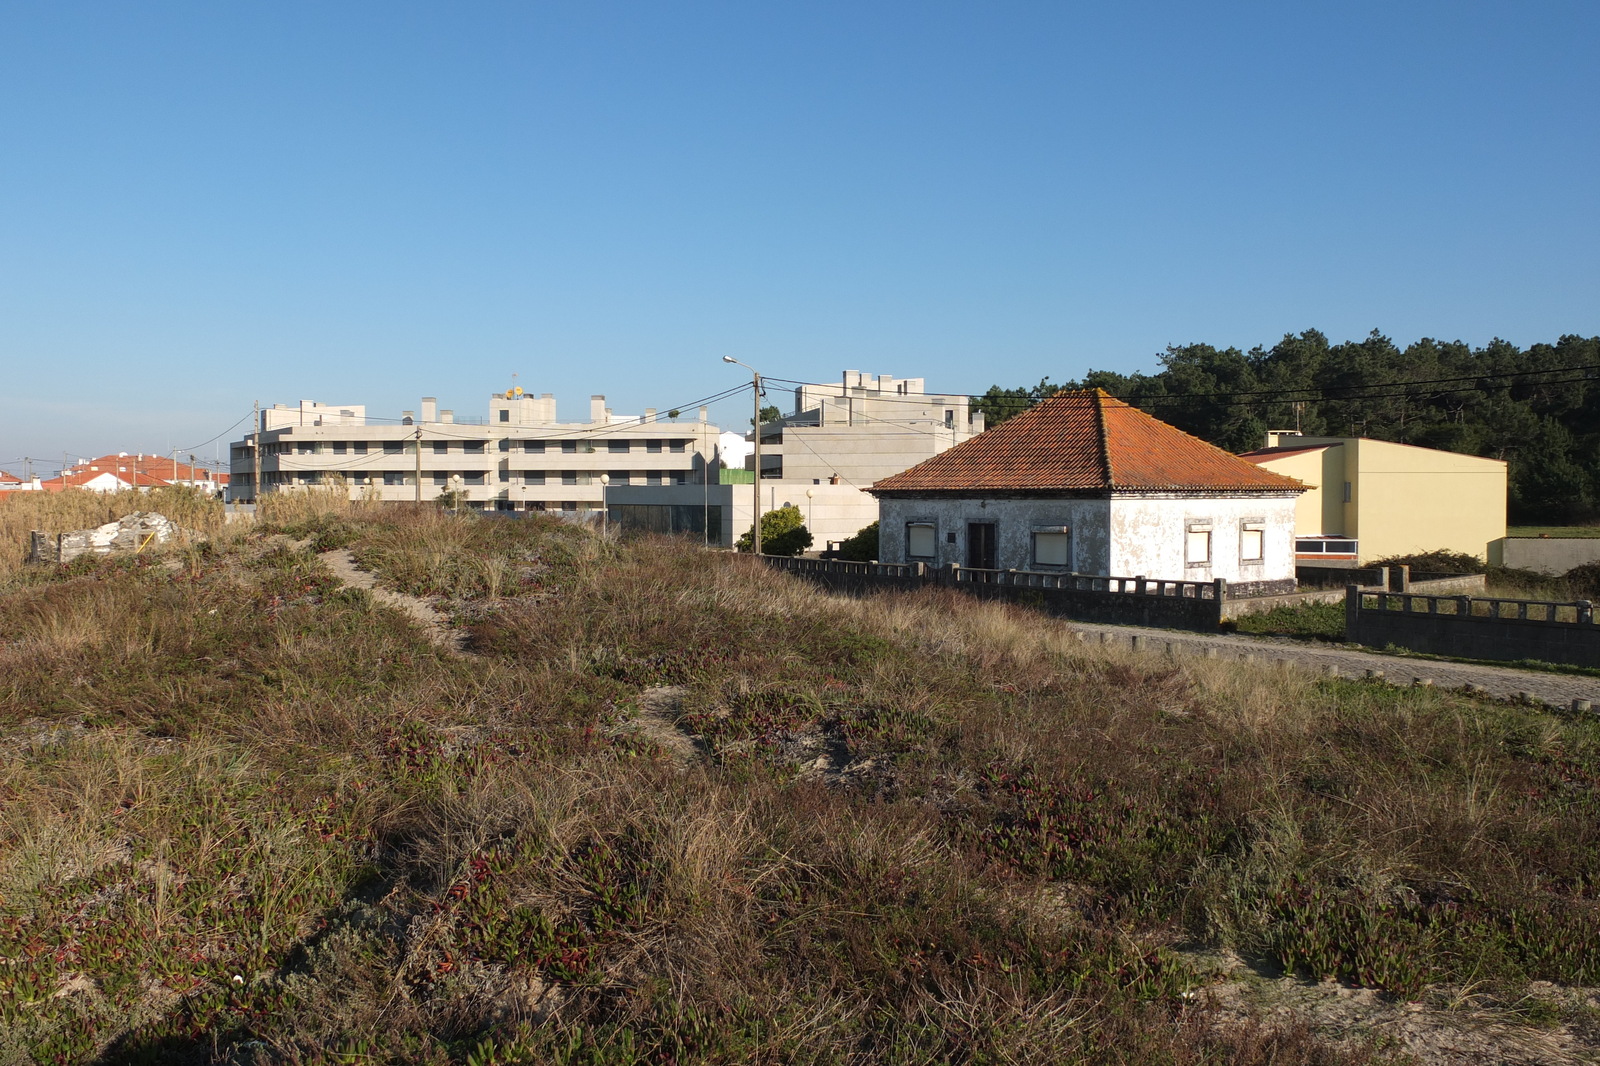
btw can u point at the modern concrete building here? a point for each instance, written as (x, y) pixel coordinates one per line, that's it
(823, 457)
(519, 458)
(1084, 483)
(1373, 499)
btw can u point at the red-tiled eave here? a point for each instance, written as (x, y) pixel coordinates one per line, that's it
(1084, 441)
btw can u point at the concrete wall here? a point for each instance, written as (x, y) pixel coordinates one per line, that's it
(1148, 537)
(1015, 520)
(1552, 555)
(1136, 536)
(1115, 601)
(1469, 636)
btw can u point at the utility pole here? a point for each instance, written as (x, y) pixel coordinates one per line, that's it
(755, 523)
(255, 448)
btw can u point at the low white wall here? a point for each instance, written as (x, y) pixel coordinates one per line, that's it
(1548, 555)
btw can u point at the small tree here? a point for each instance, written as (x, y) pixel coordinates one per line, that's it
(861, 548)
(783, 532)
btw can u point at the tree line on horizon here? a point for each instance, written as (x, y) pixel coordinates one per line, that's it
(1524, 405)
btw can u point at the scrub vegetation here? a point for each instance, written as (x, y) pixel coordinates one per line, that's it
(250, 815)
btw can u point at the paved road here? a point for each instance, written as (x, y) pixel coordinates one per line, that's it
(1504, 682)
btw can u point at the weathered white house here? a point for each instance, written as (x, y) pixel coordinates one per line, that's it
(1084, 483)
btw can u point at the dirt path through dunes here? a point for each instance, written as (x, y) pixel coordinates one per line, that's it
(1448, 1027)
(657, 720)
(1502, 682)
(343, 565)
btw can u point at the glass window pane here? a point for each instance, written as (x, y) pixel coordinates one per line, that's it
(1250, 544)
(1198, 546)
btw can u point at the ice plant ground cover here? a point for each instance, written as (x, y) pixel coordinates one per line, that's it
(248, 813)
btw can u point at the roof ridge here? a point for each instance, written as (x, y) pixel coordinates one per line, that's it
(1096, 399)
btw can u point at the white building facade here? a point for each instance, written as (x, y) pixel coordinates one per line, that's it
(520, 458)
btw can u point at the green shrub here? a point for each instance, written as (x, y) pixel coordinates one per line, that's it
(1435, 562)
(861, 548)
(783, 532)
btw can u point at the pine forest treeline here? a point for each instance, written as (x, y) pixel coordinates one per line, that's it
(1538, 408)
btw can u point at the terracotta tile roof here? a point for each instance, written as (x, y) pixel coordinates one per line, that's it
(8, 478)
(155, 465)
(80, 476)
(1085, 441)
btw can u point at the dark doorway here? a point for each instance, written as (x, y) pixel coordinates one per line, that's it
(980, 546)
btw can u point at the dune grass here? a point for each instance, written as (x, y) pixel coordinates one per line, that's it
(251, 816)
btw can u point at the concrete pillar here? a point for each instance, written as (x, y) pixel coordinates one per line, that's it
(1400, 578)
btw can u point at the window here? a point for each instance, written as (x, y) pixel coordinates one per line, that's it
(619, 477)
(505, 415)
(1052, 548)
(441, 447)
(680, 445)
(1347, 492)
(1197, 544)
(340, 447)
(1252, 538)
(652, 477)
(534, 447)
(652, 446)
(569, 447)
(394, 447)
(394, 477)
(949, 420)
(504, 445)
(441, 478)
(920, 540)
(616, 446)
(533, 477)
(359, 447)
(569, 505)
(473, 477)
(473, 447)
(569, 477)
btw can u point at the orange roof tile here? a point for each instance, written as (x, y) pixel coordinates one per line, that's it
(1085, 441)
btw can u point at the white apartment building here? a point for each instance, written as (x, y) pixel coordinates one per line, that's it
(822, 458)
(520, 458)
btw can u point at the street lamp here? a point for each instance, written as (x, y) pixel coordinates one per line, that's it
(605, 480)
(811, 494)
(755, 521)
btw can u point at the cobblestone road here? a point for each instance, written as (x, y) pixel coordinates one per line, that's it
(1503, 682)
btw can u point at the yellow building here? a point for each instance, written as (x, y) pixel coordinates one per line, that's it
(1372, 499)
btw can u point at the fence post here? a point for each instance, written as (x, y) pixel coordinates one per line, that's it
(1219, 589)
(1400, 578)
(1464, 606)
(1585, 611)
(921, 573)
(1352, 613)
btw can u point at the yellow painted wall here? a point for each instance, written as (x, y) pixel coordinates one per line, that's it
(1308, 509)
(1403, 499)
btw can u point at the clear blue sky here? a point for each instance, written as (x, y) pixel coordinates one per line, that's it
(206, 204)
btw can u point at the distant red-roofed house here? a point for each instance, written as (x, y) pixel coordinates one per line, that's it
(1082, 482)
(165, 469)
(10, 482)
(117, 473)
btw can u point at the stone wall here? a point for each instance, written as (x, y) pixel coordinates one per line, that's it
(1469, 628)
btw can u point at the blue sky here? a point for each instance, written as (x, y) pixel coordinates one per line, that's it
(202, 205)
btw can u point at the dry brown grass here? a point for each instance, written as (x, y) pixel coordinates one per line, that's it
(913, 828)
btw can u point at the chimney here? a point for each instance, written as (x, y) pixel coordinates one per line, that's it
(650, 416)
(430, 409)
(597, 408)
(447, 416)
(702, 412)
